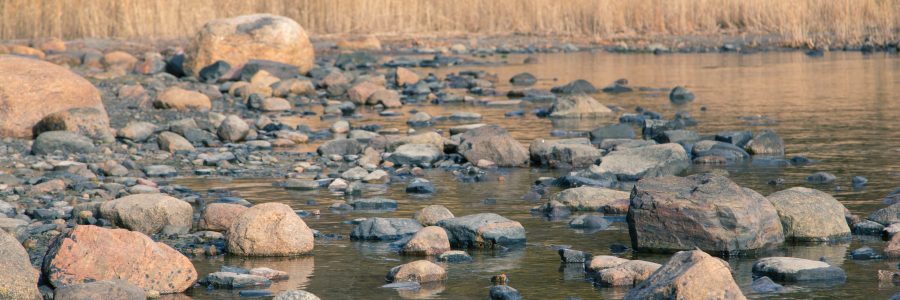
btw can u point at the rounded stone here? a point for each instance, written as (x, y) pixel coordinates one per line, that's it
(269, 229)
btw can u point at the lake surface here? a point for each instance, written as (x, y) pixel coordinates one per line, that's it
(842, 110)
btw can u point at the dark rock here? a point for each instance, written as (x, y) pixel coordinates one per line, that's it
(766, 142)
(619, 86)
(420, 186)
(175, 65)
(341, 147)
(277, 69)
(485, 230)
(523, 79)
(680, 95)
(455, 256)
(504, 292)
(737, 138)
(579, 86)
(614, 131)
(864, 253)
(649, 161)
(821, 178)
(765, 285)
(574, 256)
(385, 229)
(213, 72)
(727, 151)
(63, 141)
(859, 181)
(867, 227)
(492, 143)
(373, 204)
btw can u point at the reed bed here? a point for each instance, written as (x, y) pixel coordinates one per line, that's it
(791, 22)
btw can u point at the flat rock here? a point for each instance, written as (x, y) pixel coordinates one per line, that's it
(385, 229)
(792, 269)
(485, 230)
(649, 161)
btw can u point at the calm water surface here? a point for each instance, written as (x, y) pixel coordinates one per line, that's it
(842, 110)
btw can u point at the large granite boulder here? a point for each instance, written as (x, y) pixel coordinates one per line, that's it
(704, 211)
(810, 215)
(240, 39)
(149, 213)
(269, 229)
(689, 275)
(89, 253)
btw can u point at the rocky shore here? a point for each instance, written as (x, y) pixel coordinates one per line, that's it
(92, 138)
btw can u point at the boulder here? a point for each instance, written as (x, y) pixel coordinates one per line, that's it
(63, 141)
(415, 155)
(492, 143)
(105, 289)
(588, 198)
(579, 86)
(577, 152)
(503, 292)
(406, 77)
(341, 147)
(233, 129)
(579, 106)
(810, 215)
(766, 142)
(385, 229)
(420, 271)
(181, 99)
(680, 95)
(602, 262)
(614, 131)
(89, 253)
(18, 279)
(821, 178)
(726, 151)
(86, 121)
(628, 273)
(689, 275)
(33, 89)
(649, 161)
(272, 104)
(172, 142)
(523, 79)
(428, 241)
(792, 269)
(149, 213)
(704, 211)
(432, 214)
(594, 221)
(269, 229)
(240, 39)
(485, 230)
(219, 216)
(359, 94)
(886, 216)
(137, 131)
(387, 98)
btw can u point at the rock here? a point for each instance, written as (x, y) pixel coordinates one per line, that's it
(729, 152)
(432, 214)
(420, 119)
(765, 285)
(577, 152)
(373, 204)
(523, 79)
(269, 68)
(406, 77)
(387, 98)
(261, 36)
(454, 256)
(233, 280)
(86, 121)
(892, 250)
(149, 213)
(356, 173)
(359, 94)
(105, 289)
(810, 215)
(233, 129)
(385, 229)
(619, 86)
(18, 279)
(867, 227)
(689, 275)
(676, 136)
(573, 256)
(118, 62)
(368, 42)
(420, 186)
(89, 253)
(415, 155)
(219, 216)
(485, 230)
(792, 269)
(292, 86)
(821, 178)
(703, 211)
(341, 147)
(492, 143)
(680, 95)
(590, 221)
(578, 106)
(63, 141)
(172, 142)
(886, 216)
(737, 138)
(269, 229)
(420, 271)
(181, 99)
(864, 253)
(766, 142)
(137, 131)
(614, 131)
(503, 292)
(463, 128)
(428, 241)
(587, 198)
(301, 185)
(629, 273)
(160, 171)
(644, 162)
(214, 71)
(275, 105)
(859, 181)
(58, 90)
(602, 262)
(377, 176)
(579, 86)
(295, 295)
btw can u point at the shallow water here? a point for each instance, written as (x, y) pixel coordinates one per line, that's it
(841, 110)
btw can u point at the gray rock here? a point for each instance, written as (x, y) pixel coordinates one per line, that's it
(420, 186)
(170, 141)
(737, 138)
(574, 256)
(523, 79)
(341, 147)
(485, 230)
(373, 204)
(503, 292)
(492, 143)
(106, 289)
(727, 151)
(63, 141)
(465, 116)
(356, 173)
(233, 129)
(650, 161)
(810, 215)
(415, 155)
(236, 281)
(149, 213)
(867, 227)
(385, 229)
(18, 279)
(455, 256)
(137, 131)
(160, 171)
(579, 86)
(689, 275)
(295, 295)
(420, 119)
(577, 152)
(765, 285)
(886, 216)
(821, 178)
(578, 106)
(614, 131)
(703, 211)
(676, 136)
(590, 221)
(792, 269)
(680, 95)
(766, 142)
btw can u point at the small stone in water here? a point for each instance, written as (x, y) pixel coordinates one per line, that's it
(765, 285)
(859, 181)
(864, 253)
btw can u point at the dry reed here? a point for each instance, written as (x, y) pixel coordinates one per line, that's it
(793, 22)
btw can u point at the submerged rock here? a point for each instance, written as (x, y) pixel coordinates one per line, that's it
(577, 152)
(614, 131)
(503, 292)
(765, 285)
(689, 275)
(821, 178)
(703, 211)
(766, 142)
(295, 295)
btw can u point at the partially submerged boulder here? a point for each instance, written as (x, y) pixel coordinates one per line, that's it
(792, 269)
(420, 271)
(643, 162)
(689, 275)
(385, 229)
(810, 215)
(588, 198)
(485, 230)
(269, 229)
